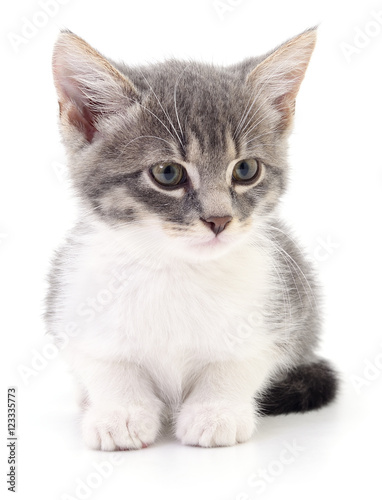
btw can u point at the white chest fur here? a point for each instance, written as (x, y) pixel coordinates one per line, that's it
(167, 318)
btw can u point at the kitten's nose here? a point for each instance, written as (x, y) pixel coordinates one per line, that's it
(217, 224)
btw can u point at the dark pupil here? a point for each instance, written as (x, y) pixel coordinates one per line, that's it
(243, 169)
(169, 173)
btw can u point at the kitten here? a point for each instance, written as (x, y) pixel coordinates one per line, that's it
(180, 288)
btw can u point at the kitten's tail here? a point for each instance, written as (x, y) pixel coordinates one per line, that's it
(303, 388)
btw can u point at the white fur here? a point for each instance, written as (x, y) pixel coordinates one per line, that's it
(156, 328)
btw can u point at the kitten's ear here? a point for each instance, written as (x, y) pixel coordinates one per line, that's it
(278, 77)
(88, 86)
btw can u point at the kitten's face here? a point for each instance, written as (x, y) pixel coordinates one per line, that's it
(188, 155)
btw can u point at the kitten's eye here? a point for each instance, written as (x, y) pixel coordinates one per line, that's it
(169, 174)
(246, 170)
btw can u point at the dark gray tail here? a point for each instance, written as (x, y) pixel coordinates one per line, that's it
(303, 388)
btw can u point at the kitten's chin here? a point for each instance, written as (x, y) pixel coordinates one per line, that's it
(197, 249)
(152, 246)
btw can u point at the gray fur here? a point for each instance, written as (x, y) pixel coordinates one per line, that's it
(209, 99)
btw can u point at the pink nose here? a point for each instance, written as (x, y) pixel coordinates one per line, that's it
(217, 224)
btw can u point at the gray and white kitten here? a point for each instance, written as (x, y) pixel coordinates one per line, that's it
(179, 288)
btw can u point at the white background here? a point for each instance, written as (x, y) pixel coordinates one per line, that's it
(334, 199)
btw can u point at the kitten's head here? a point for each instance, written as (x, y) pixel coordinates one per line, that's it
(189, 156)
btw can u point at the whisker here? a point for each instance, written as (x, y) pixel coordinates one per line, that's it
(244, 125)
(141, 137)
(300, 273)
(153, 114)
(258, 137)
(164, 111)
(254, 126)
(283, 284)
(243, 117)
(175, 89)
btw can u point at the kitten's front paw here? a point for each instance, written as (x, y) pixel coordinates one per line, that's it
(215, 424)
(133, 427)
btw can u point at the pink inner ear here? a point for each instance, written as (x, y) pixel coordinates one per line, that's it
(285, 104)
(280, 75)
(88, 86)
(83, 121)
(73, 100)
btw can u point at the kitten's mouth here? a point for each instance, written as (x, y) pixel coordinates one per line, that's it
(213, 242)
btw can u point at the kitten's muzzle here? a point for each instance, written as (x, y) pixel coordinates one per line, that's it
(217, 224)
